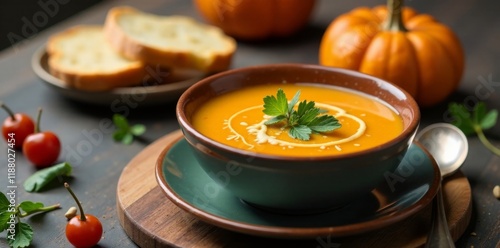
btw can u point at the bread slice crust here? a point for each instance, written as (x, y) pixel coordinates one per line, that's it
(168, 41)
(82, 59)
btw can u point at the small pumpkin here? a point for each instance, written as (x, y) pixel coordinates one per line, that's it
(395, 43)
(256, 19)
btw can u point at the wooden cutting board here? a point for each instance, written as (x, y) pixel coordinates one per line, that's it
(152, 220)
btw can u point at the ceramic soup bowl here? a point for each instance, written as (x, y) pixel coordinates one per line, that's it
(291, 183)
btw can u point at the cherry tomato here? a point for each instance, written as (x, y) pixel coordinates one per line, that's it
(84, 233)
(41, 148)
(16, 127)
(83, 230)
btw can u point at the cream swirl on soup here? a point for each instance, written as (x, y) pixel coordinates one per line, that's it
(260, 130)
(236, 119)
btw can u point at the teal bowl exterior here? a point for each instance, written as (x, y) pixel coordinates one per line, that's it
(297, 184)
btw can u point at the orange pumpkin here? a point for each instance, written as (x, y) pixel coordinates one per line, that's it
(397, 44)
(256, 19)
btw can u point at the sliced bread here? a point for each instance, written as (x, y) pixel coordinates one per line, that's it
(168, 41)
(81, 58)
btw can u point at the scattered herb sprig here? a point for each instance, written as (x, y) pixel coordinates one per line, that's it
(19, 234)
(125, 133)
(303, 121)
(475, 121)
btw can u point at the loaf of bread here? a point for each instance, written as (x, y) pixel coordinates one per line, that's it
(81, 58)
(168, 41)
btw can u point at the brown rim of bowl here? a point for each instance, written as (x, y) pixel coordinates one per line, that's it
(296, 232)
(407, 133)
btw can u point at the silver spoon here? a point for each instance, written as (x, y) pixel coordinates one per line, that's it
(448, 145)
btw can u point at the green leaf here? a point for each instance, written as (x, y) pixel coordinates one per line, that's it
(4, 218)
(4, 202)
(293, 119)
(30, 207)
(323, 111)
(301, 132)
(309, 114)
(324, 123)
(138, 129)
(294, 101)
(127, 139)
(119, 134)
(22, 237)
(4, 212)
(22, 233)
(275, 120)
(489, 120)
(120, 121)
(275, 106)
(41, 178)
(479, 112)
(475, 123)
(461, 118)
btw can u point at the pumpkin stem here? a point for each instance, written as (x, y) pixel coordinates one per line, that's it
(394, 21)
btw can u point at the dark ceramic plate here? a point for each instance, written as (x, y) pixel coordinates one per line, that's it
(155, 90)
(408, 190)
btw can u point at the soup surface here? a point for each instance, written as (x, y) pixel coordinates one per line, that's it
(236, 119)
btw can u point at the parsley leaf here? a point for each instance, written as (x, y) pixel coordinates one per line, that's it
(462, 118)
(294, 101)
(30, 207)
(19, 234)
(125, 133)
(22, 237)
(485, 119)
(300, 132)
(475, 121)
(276, 106)
(4, 212)
(324, 123)
(303, 121)
(306, 112)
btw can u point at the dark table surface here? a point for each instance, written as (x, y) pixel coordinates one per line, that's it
(97, 166)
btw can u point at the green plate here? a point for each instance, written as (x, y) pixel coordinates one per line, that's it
(406, 191)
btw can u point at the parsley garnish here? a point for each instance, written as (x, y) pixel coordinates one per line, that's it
(19, 234)
(303, 121)
(475, 121)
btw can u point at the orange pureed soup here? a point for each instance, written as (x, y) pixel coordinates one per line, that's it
(236, 119)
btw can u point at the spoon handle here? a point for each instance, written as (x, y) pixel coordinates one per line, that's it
(439, 235)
